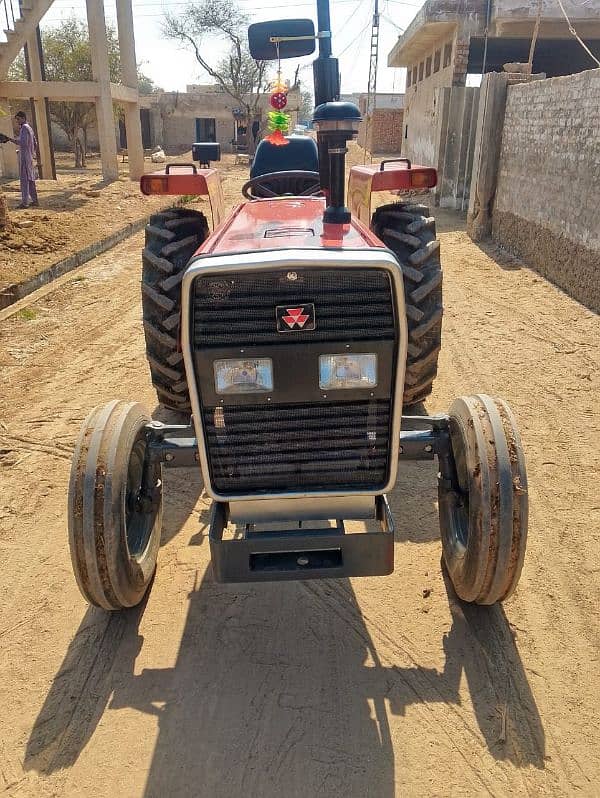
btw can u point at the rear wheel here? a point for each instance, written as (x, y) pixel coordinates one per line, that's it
(409, 231)
(172, 237)
(483, 512)
(115, 507)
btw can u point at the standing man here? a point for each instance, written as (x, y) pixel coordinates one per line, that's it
(27, 153)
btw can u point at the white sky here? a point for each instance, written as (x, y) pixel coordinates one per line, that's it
(172, 68)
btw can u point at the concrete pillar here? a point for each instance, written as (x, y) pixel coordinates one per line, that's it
(101, 73)
(9, 162)
(133, 127)
(486, 156)
(457, 112)
(40, 108)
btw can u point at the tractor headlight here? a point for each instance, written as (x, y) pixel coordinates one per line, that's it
(347, 371)
(244, 376)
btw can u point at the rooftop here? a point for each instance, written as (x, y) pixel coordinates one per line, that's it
(509, 19)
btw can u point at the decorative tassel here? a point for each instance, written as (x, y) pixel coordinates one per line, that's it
(278, 125)
(277, 138)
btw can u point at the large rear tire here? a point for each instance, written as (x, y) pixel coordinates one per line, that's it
(115, 507)
(483, 513)
(409, 231)
(172, 237)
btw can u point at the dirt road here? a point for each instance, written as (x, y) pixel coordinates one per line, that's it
(353, 688)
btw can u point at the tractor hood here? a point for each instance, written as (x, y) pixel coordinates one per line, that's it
(285, 223)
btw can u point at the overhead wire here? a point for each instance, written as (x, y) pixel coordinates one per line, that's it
(354, 40)
(573, 32)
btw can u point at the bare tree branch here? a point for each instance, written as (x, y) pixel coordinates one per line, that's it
(238, 74)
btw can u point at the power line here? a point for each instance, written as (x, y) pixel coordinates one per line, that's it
(160, 14)
(70, 5)
(576, 35)
(354, 40)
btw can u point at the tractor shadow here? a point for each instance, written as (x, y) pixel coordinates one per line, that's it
(281, 688)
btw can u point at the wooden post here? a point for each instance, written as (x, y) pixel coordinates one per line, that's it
(104, 104)
(133, 126)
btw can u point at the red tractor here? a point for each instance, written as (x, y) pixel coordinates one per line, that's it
(294, 334)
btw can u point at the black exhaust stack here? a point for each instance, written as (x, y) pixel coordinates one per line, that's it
(335, 122)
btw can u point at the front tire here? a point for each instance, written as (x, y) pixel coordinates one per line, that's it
(115, 507)
(172, 237)
(483, 514)
(409, 231)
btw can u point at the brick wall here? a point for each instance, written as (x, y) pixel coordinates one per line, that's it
(461, 61)
(385, 131)
(547, 201)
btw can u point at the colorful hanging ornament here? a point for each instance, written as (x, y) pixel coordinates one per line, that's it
(279, 122)
(278, 100)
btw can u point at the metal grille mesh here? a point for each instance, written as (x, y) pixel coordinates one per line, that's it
(283, 448)
(350, 304)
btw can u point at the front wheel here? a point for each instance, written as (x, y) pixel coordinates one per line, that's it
(484, 503)
(115, 507)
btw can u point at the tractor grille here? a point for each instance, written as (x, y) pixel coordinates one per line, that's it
(350, 304)
(284, 448)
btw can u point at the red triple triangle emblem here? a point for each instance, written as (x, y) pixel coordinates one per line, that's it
(295, 316)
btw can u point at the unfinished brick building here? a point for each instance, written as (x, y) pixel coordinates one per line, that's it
(447, 40)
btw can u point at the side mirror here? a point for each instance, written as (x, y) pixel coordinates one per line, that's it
(300, 31)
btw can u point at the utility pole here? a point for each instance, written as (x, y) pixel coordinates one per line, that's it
(536, 30)
(372, 88)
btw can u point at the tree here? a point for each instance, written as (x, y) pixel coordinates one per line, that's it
(307, 106)
(146, 85)
(67, 56)
(238, 74)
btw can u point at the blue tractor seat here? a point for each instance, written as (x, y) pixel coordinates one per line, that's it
(301, 154)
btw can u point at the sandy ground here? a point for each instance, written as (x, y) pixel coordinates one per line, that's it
(361, 687)
(76, 210)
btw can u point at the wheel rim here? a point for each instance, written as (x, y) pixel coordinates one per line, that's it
(460, 505)
(139, 516)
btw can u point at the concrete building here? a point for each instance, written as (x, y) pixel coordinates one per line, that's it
(382, 132)
(203, 113)
(447, 40)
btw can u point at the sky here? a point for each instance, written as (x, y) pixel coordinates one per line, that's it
(173, 68)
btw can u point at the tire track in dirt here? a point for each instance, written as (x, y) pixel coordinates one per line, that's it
(442, 674)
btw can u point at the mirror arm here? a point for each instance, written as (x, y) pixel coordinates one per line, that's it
(326, 34)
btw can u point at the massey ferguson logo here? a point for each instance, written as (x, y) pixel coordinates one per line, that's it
(301, 317)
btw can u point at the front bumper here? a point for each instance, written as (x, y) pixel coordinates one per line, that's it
(306, 553)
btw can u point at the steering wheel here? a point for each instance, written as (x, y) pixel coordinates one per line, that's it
(276, 184)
